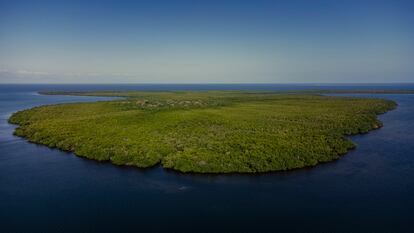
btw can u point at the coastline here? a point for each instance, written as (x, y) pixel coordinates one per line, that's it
(374, 126)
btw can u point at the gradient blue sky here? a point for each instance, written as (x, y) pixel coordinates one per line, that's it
(337, 41)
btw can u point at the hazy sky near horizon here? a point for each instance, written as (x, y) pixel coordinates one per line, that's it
(206, 41)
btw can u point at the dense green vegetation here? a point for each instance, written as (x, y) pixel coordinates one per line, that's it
(206, 132)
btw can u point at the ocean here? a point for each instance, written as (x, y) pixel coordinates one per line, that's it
(370, 189)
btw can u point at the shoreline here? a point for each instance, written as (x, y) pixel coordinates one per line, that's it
(160, 163)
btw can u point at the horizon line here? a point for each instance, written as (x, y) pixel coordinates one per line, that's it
(235, 83)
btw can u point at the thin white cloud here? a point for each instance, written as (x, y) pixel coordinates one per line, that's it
(22, 72)
(93, 74)
(66, 74)
(31, 72)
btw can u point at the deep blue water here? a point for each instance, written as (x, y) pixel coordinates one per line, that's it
(371, 189)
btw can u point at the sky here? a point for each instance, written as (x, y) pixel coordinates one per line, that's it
(292, 41)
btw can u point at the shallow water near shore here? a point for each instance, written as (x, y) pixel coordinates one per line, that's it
(370, 189)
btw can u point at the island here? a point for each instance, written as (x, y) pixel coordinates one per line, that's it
(205, 131)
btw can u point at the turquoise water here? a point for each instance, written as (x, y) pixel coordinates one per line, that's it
(370, 189)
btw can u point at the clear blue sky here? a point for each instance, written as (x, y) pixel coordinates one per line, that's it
(206, 41)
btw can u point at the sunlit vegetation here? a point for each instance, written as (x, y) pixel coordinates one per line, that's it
(205, 132)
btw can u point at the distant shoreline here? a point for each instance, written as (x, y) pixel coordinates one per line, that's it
(91, 93)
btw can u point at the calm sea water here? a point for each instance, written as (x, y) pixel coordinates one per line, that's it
(371, 189)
